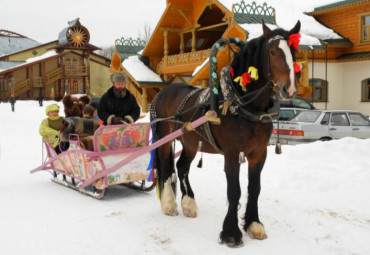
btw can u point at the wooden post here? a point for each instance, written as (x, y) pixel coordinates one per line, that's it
(165, 47)
(193, 41)
(144, 100)
(30, 77)
(182, 43)
(305, 69)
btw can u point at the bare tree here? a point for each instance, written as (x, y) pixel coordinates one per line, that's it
(106, 51)
(147, 33)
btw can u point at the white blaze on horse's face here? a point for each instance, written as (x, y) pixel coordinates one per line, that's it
(283, 45)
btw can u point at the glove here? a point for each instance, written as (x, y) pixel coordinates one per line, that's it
(129, 119)
(117, 120)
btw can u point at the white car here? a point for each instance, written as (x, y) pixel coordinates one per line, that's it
(324, 125)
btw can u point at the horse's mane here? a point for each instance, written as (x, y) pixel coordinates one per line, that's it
(251, 54)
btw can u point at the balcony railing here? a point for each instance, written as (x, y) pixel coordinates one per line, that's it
(75, 70)
(185, 58)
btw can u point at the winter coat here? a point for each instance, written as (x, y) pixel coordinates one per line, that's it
(119, 107)
(80, 126)
(49, 129)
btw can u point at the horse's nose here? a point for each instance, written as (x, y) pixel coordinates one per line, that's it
(291, 90)
(288, 91)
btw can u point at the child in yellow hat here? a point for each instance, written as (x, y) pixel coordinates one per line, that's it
(50, 126)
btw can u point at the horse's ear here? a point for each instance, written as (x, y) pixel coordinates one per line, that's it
(267, 33)
(296, 28)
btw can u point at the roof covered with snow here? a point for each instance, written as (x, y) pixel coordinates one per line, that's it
(139, 71)
(14, 64)
(287, 14)
(11, 42)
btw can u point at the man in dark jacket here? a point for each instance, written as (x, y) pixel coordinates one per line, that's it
(118, 105)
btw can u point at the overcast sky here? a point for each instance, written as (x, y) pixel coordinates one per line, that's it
(42, 20)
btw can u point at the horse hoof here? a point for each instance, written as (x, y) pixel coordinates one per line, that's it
(169, 209)
(256, 231)
(168, 200)
(189, 207)
(231, 243)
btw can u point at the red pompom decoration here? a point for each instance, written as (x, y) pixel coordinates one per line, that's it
(246, 79)
(294, 40)
(297, 68)
(232, 72)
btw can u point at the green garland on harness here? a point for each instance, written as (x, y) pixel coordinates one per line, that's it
(214, 82)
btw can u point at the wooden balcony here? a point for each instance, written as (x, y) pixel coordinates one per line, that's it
(182, 63)
(75, 70)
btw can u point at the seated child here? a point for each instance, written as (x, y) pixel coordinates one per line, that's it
(83, 127)
(95, 114)
(50, 126)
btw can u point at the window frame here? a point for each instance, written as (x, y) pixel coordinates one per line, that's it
(323, 87)
(364, 27)
(365, 90)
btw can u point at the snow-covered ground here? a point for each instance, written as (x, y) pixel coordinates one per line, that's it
(315, 199)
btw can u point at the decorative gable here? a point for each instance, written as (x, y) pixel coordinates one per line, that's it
(253, 13)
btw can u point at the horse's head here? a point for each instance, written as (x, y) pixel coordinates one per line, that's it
(279, 55)
(269, 57)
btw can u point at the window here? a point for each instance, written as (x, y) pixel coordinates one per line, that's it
(365, 90)
(358, 119)
(200, 42)
(319, 90)
(287, 114)
(365, 29)
(325, 119)
(307, 116)
(339, 119)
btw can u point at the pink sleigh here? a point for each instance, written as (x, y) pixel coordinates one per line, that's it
(122, 154)
(111, 144)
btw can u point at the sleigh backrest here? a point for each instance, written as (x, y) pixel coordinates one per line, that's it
(49, 149)
(116, 137)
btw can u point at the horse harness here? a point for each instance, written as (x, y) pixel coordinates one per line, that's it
(232, 102)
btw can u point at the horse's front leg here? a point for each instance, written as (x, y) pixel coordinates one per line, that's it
(252, 224)
(188, 204)
(231, 234)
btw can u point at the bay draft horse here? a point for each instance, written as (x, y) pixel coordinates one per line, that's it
(273, 58)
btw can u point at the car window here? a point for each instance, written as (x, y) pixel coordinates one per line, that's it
(339, 119)
(286, 114)
(297, 102)
(358, 119)
(307, 116)
(325, 119)
(300, 103)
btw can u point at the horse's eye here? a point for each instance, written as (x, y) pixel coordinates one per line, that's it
(273, 53)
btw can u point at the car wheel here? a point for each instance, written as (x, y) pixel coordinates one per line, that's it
(325, 139)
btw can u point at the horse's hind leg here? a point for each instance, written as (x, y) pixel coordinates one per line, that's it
(167, 183)
(252, 224)
(188, 204)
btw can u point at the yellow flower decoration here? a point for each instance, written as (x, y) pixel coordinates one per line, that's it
(253, 72)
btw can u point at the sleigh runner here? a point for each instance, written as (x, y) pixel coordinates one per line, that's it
(121, 154)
